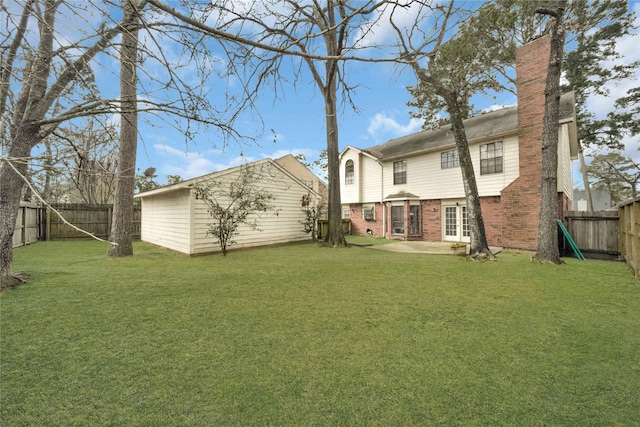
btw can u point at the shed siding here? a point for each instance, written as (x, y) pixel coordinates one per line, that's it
(165, 220)
(279, 225)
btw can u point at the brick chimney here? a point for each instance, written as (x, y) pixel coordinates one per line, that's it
(521, 199)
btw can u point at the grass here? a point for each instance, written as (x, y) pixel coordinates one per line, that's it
(299, 335)
(368, 240)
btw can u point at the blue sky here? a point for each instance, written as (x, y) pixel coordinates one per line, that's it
(296, 125)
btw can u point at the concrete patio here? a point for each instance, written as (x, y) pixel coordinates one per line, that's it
(420, 247)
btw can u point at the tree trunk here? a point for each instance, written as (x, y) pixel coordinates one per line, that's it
(548, 249)
(479, 245)
(335, 235)
(11, 184)
(122, 222)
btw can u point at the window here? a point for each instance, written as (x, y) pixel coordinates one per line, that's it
(397, 219)
(491, 158)
(449, 159)
(348, 172)
(400, 172)
(465, 223)
(346, 213)
(450, 221)
(369, 213)
(414, 220)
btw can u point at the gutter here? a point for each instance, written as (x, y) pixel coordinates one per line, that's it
(384, 209)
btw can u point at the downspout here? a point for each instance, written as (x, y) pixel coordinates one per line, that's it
(384, 208)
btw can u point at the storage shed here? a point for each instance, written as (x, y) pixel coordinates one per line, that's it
(174, 218)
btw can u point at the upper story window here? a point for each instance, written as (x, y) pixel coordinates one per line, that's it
(348, 172)
(400, 172)
(449, 159)
(491, 158)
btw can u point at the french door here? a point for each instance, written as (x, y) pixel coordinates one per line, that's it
(456, 224)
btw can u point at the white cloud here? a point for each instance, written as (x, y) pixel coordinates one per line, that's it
(496, 107)
(378, 31)
(189, 164)
(307, 152)
(383, 126)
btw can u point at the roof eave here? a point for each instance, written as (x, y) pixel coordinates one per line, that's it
(451, 145)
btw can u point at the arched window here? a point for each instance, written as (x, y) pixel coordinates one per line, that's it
(348, 172)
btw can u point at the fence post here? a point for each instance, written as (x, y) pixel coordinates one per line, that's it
(48, 226)
(24, 225)
(42, 223)
(109, 220)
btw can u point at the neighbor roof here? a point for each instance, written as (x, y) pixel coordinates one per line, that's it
(187, 184)
(492, 124)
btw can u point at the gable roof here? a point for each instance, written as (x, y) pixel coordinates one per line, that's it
(186, 184)
(287, 160)
(495, 124)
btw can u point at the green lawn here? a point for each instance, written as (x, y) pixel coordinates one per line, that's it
(300, 335)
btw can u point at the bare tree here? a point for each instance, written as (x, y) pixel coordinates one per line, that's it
(324, 35)
(122, 222)
(38, 91)
(44, 85)
(83, 155)
(236, 202)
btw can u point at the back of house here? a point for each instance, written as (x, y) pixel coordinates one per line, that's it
(411, 188)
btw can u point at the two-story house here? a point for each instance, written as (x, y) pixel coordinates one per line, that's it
(411, 187)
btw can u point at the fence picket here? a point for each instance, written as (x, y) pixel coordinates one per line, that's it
(39, 223)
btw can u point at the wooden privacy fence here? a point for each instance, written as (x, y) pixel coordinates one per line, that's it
(39, 223)
(30, 224)
(95, 219)
(595, 233)
(629, 234)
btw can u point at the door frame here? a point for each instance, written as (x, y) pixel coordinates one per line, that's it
(459, 208)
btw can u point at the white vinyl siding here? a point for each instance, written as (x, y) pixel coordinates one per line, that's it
(279, 225)
(165, 220)
(565, 177)
(349, 193)
(175, 219)
(370, 181)
(367, 184)
(428, 181)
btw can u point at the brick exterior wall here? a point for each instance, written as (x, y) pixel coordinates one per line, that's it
(493, 216)
(359, 225)
(431, 220)
(521, 199)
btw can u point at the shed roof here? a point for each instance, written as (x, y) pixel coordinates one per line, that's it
(187, 184)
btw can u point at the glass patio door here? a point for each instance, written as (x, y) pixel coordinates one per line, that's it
(456, 224)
